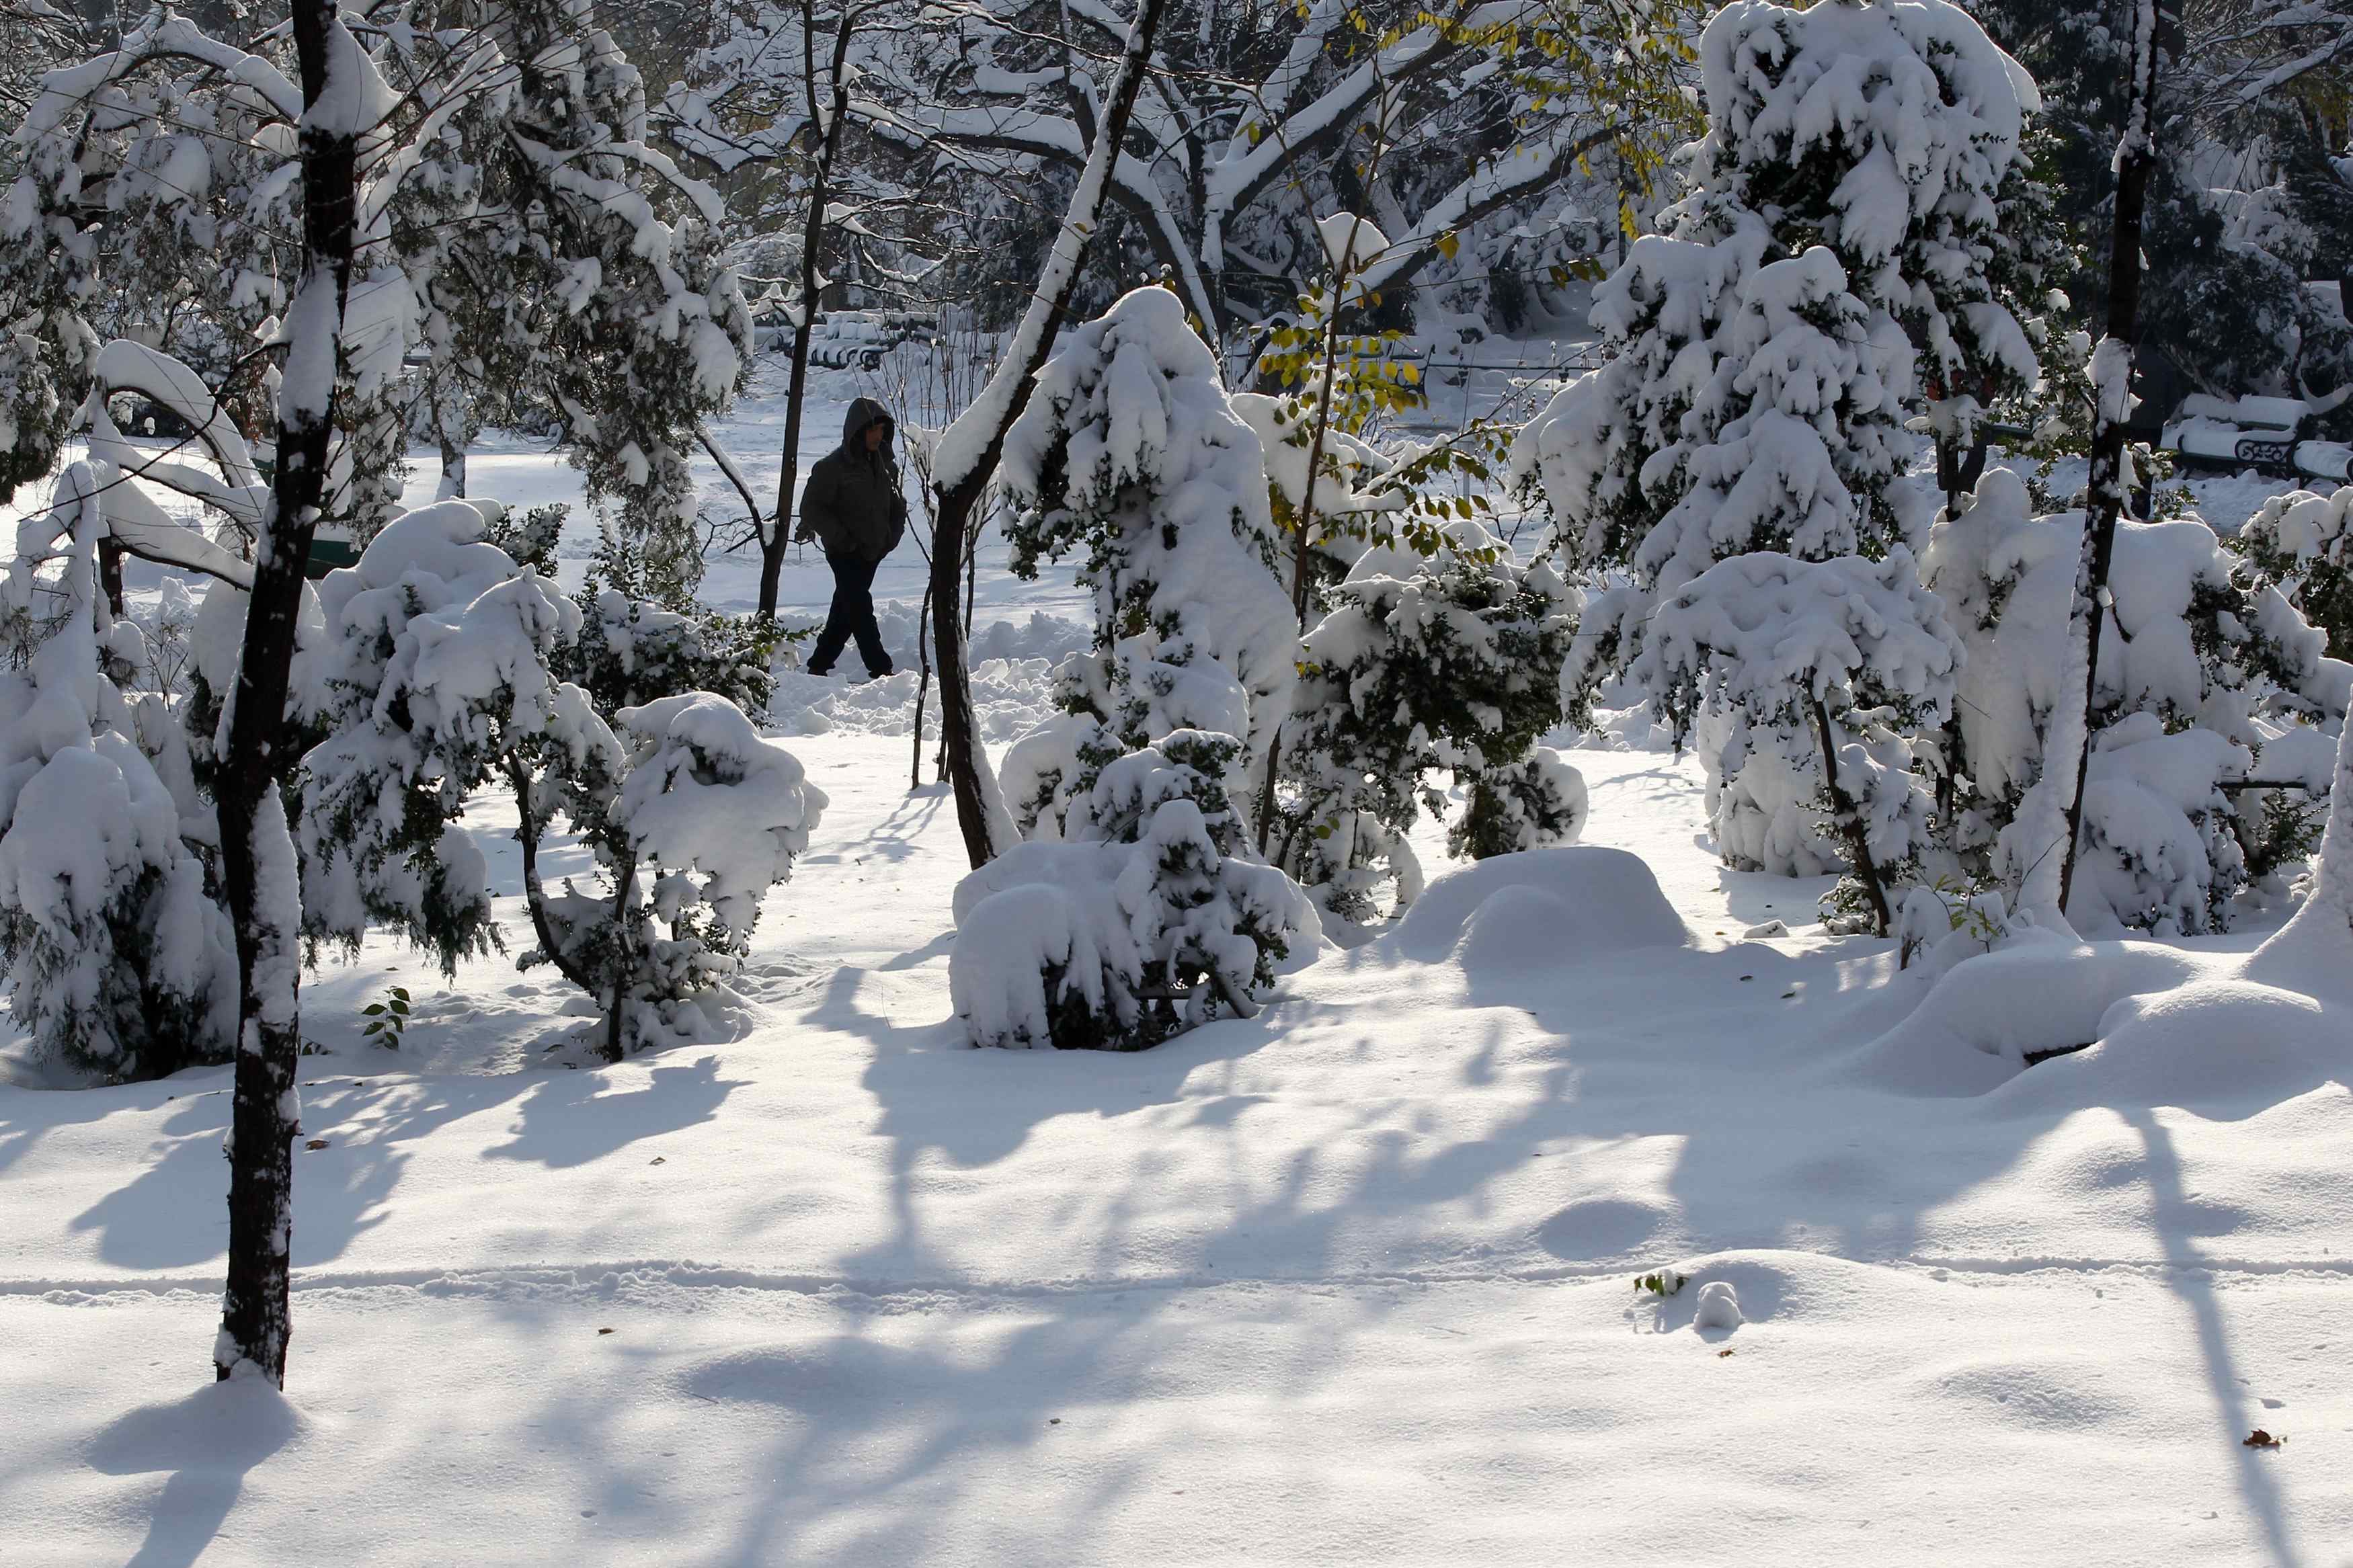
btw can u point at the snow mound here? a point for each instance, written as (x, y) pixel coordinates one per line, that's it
(2205, 1044)
(1979, 1021)
(1540, 907)
(1719, 1307)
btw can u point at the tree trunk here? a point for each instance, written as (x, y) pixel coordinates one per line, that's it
(1850, 821)
(1300, 551)
(970, 452)
(257, 853)
(2112, 368)
(780, 535)
(923, 689)
(109, 575)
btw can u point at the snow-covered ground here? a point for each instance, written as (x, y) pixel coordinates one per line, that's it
(1349, 1283)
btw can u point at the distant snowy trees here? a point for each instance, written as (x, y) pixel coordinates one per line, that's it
(510, 224)
(2250, 198)
(1258, 120)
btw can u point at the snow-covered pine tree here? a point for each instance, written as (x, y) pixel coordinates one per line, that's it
(1838, 236)
(2206, 678)
(1753, 409)
(1847, 656)
(1893, 134)
(1421, 664)
(1140, 908)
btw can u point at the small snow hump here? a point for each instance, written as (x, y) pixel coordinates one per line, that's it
(1719, 1307)
(1540, 907)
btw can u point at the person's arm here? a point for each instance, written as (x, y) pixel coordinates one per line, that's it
(898, 510)
(817, 508)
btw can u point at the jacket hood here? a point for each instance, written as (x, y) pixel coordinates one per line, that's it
(863, 412)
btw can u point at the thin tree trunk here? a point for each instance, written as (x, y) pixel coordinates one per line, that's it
(624, 957)
(974, 444)
(257, 853)
(1299, 557)
(923, 689)
(1850, 820)
(826, 122)
(109, 575)
(2112, 369)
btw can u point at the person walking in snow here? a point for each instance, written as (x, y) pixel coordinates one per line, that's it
(853, 508)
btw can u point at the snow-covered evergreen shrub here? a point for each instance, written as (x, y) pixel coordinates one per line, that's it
(1135, 796)
(1166, 922)
(1420, 665)
(432, 668)
(1847, 655)
(692, 817)
(2302, 544)
(122, 958)
(2201, 672)
(640, 640)
(529, 537)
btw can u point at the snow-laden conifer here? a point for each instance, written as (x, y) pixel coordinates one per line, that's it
(1140, 907)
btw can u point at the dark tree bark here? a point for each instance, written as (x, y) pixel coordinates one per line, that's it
(2135, 157)
(832, 116)
(960, 494)
(1850, 822)
(256, 854)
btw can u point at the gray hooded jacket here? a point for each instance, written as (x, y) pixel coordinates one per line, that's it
(852, 503)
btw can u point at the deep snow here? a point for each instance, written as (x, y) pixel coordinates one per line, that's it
(1351, 1282)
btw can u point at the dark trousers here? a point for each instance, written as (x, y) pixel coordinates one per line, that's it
(852, 615)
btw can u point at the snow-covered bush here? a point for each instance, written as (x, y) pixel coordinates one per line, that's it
(1850, 653)
(432, 668)
(1420, 664)
(640, 640)
(1135, 796)
(692, 817)
(1164, 923)
(2202, 672)
(121, 956)
(2302, 544)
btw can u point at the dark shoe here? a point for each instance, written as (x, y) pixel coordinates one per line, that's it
(819, 671)
(885, 673)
